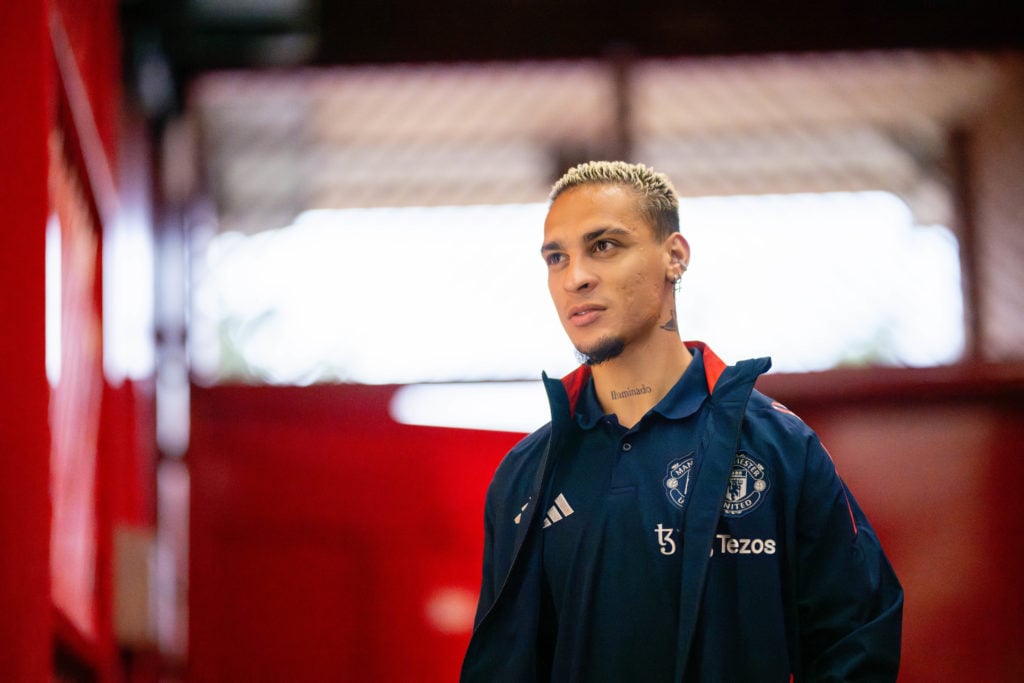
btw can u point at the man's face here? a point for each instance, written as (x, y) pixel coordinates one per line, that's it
(608, 275)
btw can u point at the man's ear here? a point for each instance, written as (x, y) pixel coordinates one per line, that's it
(678, 250)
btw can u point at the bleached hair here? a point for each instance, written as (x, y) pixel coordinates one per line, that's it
(659, 203)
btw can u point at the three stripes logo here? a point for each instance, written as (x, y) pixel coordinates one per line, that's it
(557, 512)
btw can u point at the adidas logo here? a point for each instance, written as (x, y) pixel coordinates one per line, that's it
(557, 512)
(519, 517)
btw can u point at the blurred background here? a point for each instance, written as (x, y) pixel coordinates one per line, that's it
(273, 309)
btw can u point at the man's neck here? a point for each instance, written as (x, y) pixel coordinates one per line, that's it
(633, 383)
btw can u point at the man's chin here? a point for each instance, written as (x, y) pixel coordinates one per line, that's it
(601, 351)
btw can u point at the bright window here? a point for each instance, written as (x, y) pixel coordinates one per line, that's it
(457, 294)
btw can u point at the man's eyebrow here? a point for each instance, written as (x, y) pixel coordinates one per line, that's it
(601, 232)
(587, 237)
(551, 246)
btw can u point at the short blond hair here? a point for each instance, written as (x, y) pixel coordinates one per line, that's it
(659, 203)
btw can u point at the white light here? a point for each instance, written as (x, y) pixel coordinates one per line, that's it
(128, 301)
(388, 296)
(54, 300)
(451, 609)
(496, 406)
(444, 294)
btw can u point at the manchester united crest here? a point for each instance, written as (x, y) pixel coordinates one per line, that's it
(748, 483)
(677, 480)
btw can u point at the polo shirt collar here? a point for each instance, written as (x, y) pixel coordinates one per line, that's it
(682, 400)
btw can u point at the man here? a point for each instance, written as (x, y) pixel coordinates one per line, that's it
(670, 523)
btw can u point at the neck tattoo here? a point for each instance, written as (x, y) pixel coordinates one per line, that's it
(632, 391)
(671, 325)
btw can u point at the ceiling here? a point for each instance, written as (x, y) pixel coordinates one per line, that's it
(194, 36)
(276, 143)
(320, 103)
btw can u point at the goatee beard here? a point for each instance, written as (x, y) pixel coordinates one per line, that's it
(603, 350)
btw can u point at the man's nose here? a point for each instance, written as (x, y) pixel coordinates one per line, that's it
(579, 276)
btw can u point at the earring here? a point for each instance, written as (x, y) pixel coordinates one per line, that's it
(677, 282)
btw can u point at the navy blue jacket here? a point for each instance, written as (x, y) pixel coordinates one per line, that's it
(797, 590)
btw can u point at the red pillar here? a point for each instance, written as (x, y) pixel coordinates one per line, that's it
(27, 88)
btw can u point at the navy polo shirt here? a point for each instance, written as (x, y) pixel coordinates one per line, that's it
(612, 541)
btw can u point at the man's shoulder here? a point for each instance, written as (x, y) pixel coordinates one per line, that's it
(511, 488)
(765, 408)
(523, 458)
(769, 420)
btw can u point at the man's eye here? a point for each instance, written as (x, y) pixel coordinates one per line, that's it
(603, 245)
(553, 259)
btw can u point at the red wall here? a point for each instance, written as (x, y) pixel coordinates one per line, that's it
(73, 461)
(328, 542)
(932, 456)
(321, 530)
(25, 75)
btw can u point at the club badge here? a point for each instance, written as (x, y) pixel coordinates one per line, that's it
(748, 483)
(677, 480)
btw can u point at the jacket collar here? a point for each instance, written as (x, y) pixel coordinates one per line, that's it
(574, 383)
(683, 399)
